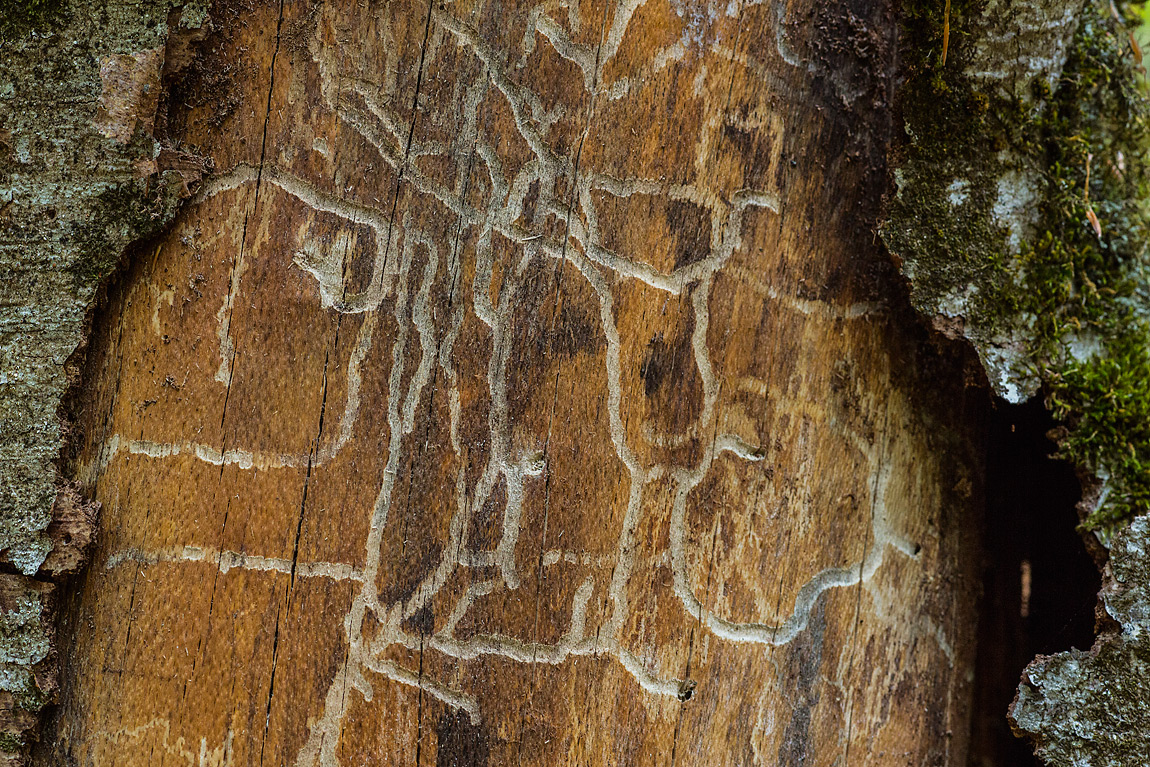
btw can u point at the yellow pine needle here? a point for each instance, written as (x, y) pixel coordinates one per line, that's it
(1094, 222)
(945, 31)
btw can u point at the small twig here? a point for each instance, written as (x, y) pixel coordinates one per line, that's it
(1135, 48)
(1091, 216)
(1089, 157)
(945, 31)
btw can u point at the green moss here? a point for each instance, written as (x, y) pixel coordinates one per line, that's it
(32, 698)
(10, 744)
(1107, 399)
(952, 249)
(1086, 286)
(1073, 305)
(126, 212)
(17, 16)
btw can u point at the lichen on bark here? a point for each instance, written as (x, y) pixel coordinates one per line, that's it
(1091, 708)
(1023, 214)
(82, 176)
(970, 181)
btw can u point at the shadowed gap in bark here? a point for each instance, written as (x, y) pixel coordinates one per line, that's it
(1040, 585)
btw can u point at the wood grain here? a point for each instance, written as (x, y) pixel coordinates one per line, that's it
(526, 387)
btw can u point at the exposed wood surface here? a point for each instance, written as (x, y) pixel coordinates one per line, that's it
(526, 387)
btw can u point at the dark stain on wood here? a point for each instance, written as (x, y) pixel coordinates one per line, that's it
(400, 583)
(692, 229)
(806, 659)
(461, 743)
(422, 622)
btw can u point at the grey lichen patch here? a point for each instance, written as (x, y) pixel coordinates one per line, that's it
(27, 678)
(1023, 214)
(81, 177)
(1093, 708)
(24, 642)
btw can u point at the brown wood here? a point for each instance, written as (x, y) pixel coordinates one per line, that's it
(527, 386)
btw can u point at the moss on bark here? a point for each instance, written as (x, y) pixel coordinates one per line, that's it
(1022, 219)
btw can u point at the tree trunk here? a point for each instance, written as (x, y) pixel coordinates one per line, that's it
(528, 384)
